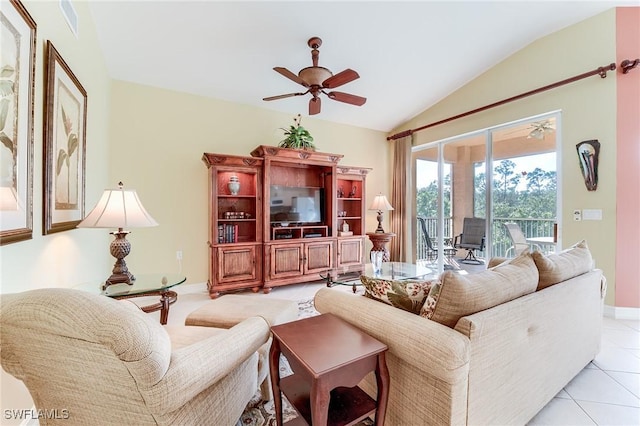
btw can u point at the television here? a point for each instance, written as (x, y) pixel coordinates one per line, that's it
(296, 205)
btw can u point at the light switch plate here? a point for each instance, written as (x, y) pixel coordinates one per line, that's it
(592, 214)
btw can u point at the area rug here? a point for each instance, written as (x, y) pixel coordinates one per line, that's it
(306, 309)
(260, 413)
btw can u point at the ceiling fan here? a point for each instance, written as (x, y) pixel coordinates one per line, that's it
(316, 79)
(540, 129)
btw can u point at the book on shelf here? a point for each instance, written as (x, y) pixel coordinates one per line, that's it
(345, 233)
(227, 233)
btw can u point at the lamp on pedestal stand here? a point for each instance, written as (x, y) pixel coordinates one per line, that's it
(119, 208)
(379, 238)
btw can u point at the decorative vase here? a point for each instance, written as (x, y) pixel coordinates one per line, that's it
(234, 185)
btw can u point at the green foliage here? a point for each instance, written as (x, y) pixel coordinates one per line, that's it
(297, 137)
(537, 200)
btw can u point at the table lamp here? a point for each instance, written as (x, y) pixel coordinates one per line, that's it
(380, 204)
(119, 208)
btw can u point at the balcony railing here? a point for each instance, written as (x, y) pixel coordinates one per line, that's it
(530, 228)
(501, 241)
(431, 223)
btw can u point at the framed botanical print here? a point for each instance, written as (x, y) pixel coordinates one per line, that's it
(64, 146)
(17, 76)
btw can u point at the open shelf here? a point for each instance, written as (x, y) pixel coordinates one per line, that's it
(294, 232)
(347, 406)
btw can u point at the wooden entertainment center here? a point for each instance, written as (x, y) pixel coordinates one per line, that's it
(278, 218)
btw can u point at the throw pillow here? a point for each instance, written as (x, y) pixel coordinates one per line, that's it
(456, 295)
(569, 263)
(408, 295)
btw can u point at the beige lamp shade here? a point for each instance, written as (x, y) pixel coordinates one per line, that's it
(380, 203)
(118, 208)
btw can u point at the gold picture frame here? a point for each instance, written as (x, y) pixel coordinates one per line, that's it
(17, 76)
(64, 146)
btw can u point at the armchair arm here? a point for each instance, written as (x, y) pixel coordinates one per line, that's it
(424, 344)
(196, 367)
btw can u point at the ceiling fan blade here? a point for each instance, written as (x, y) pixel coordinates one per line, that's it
(314, 106)
(339, 79)
(347, 98)
(291, 76)
(288, 95)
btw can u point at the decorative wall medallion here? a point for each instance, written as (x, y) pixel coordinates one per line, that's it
(588, 153)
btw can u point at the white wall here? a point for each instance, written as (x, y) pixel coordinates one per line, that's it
(588, 112)
(66, 258)
(157, 141)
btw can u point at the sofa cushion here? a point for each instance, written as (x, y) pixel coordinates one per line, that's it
(406, 294)
(459, 295)
(569, 263)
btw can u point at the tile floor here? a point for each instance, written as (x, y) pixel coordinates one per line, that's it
(606, 392)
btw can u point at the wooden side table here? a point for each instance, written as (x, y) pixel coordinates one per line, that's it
(329, 357)
(379, 241)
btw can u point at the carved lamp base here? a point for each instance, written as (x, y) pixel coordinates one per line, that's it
(120, 247)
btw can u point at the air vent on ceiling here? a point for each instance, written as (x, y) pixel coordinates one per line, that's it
(70, 15)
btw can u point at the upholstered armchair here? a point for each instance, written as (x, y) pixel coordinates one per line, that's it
(106, 362)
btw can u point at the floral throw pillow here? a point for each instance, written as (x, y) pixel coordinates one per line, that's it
(408, 295)
(429, 305)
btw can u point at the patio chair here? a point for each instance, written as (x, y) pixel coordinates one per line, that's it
(471, 239)
(518, 240)
(432, 252)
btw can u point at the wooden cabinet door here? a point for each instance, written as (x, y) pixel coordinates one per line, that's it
(318, 257)
(286, 260)
(350, 252)
(236, 263)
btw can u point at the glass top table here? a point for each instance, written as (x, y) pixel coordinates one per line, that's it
(390, 271)
(144, 285)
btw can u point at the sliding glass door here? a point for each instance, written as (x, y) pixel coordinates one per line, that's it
(505, 175)
(524, 203)
(446, 193)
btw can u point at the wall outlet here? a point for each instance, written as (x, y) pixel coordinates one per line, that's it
(179, 255)
(577, 215)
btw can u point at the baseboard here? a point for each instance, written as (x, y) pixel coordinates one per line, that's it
(618, 312)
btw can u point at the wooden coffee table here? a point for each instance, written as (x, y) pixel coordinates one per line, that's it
(329, 357)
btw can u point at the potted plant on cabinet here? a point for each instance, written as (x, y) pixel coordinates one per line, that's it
(297, 137)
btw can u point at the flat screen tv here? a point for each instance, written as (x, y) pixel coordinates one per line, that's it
(296, 204)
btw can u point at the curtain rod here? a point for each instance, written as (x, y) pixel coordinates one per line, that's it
(601, 71)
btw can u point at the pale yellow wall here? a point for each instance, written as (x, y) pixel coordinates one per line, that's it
(71, 257)
(588, 112)
(156, 145)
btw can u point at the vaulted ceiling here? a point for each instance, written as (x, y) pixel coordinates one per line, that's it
(409, 55)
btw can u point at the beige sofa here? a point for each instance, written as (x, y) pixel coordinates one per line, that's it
(497, 366)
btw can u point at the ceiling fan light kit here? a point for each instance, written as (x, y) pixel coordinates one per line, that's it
(316, 79)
